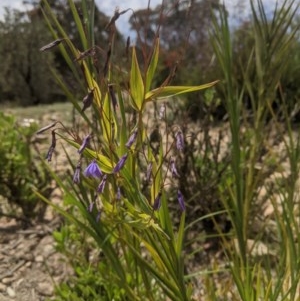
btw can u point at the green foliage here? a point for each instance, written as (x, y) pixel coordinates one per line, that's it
(260, 75)
(137, 235)
(20, 170)
(93, 276)
(130, 222)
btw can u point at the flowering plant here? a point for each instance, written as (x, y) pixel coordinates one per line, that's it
(121, 194)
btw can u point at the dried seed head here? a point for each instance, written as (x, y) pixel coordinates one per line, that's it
(115, 17)
(52, 147)
(85, 54)
(87, 100)
(50, 153)
(113, 96)
(51, 45)
(45, 128)
(53, 142)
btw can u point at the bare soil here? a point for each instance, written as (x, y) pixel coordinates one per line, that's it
(30, 267)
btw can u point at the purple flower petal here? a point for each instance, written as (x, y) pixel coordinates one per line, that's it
(131, 139)
(173, 168)
(149, 171)
(101, 186)
(157, 202)
(76, 177)
(84, 144)
(93, 170)
(179, 140)
(120, 164)
(181, 200)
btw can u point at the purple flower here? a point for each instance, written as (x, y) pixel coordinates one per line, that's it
(180, 200)
(101, 186)
(149, 171)
(131, 139)
(120, 164)
(157, 202)
(173, 168)
(93, 170)
(76, 177)
(179, 140)
(84, 144)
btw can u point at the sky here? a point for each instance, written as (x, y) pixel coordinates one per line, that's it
(108, 7)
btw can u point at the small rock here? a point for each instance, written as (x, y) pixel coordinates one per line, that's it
(2, 287)
(28, 264)
(11, 293)
(48, 249)
(32, 236)
(27, 257)
(19, 282)
(39, 258)
(45, 289)
(8, 280)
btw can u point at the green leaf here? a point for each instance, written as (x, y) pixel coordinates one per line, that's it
(79, 24)
(136, 83)
(180, 235)
(169, 91)
(152, 65)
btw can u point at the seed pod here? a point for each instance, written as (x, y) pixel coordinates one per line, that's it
(51, 45)
(87, 100)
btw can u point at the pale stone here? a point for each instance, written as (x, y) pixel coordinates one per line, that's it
(11, 293)
(45, 289)
(39, 258)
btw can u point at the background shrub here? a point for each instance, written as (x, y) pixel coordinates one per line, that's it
(21, 172)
